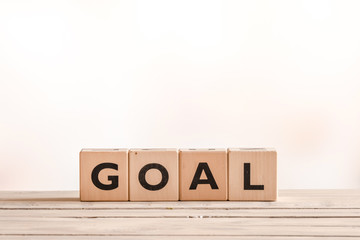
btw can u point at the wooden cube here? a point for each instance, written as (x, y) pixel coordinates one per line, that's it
(154, 175)
(104, 175)
(203, 174)
(252, 174)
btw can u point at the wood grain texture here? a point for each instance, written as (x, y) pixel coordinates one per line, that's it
(297, 214)
(91, 158)
(162, 174)
(261, 173)
(210, 164)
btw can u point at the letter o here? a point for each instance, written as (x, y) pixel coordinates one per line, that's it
(164, 178)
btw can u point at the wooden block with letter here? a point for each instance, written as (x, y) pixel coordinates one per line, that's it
(203, 174)
(154, 175)
(252, 174)
(104, 175)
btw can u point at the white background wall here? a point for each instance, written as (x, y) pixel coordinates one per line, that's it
(283, 74)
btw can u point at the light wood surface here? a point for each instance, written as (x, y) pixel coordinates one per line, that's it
(115, 176)
(205, 165)
(297, 214)
(157, 170)
(261, 172)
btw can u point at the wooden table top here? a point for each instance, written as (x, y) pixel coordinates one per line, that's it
(298, 214)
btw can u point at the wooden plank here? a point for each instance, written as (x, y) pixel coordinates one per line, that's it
(288, 199)
(349, 227)
(37, 237)
(182, 213)
(298, 214)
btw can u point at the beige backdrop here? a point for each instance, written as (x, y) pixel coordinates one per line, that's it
(282, 74)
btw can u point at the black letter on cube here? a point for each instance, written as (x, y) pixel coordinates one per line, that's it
(114, 179)
(203, 166)
(247, 184)
(164, 179)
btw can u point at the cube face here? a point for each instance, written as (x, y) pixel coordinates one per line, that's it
(252, 174)
(153, 175)
(104, 175)
(203, 174)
